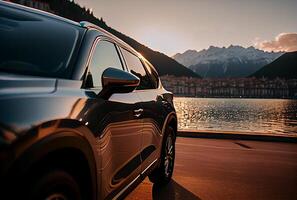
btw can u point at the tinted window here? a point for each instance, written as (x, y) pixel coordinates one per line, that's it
(105, 55)
(136, 68)
(153, 74)
(35, 45)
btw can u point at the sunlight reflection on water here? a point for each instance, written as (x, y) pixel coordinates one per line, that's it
(258, 115)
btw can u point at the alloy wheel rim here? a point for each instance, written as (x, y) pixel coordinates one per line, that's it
(169, 156)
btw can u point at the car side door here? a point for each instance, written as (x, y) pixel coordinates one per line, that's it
(119, 131)
(151, 110)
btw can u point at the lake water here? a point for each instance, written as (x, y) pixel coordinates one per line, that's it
(277, 116)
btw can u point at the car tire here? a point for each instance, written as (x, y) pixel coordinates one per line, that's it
(57, 184)
(162, 175)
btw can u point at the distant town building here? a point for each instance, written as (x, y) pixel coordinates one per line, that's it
(231, 87)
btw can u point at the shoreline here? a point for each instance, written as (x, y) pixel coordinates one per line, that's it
(236, 135)
(228, 97)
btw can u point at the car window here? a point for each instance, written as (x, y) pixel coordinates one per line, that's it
(105, 55)
(35, 45)
(152, 74)
(135, 66)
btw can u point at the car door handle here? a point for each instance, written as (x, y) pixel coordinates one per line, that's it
(138, 112)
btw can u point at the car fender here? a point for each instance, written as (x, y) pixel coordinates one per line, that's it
(54, 136)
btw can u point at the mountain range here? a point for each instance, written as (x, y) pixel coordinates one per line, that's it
(283, 67)
(233, 61)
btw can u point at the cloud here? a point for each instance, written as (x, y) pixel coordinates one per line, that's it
(283, 42)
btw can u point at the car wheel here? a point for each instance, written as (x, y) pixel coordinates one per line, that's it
(163, 174)
(55, 185)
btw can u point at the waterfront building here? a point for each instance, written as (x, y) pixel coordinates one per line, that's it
(231, 87)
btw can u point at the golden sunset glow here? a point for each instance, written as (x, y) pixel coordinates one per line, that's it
(176, 26)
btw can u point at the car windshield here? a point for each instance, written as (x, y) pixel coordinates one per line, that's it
(35, 45)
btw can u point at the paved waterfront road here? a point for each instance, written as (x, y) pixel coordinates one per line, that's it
(212, 169)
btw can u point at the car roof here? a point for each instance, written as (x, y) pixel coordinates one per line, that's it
(83, 24)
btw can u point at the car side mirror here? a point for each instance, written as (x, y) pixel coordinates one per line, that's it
(117, 81)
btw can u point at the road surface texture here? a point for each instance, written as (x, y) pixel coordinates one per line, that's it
(217, 169)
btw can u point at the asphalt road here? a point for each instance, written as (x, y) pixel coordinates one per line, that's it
(214, 169)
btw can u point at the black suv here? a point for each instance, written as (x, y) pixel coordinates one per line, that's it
(83, 115)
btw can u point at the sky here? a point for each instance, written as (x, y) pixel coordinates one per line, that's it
(174, 26)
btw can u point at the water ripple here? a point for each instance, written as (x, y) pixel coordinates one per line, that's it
(260, 115)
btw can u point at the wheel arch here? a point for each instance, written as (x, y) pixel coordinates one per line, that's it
(57, 146)
(171, 120)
